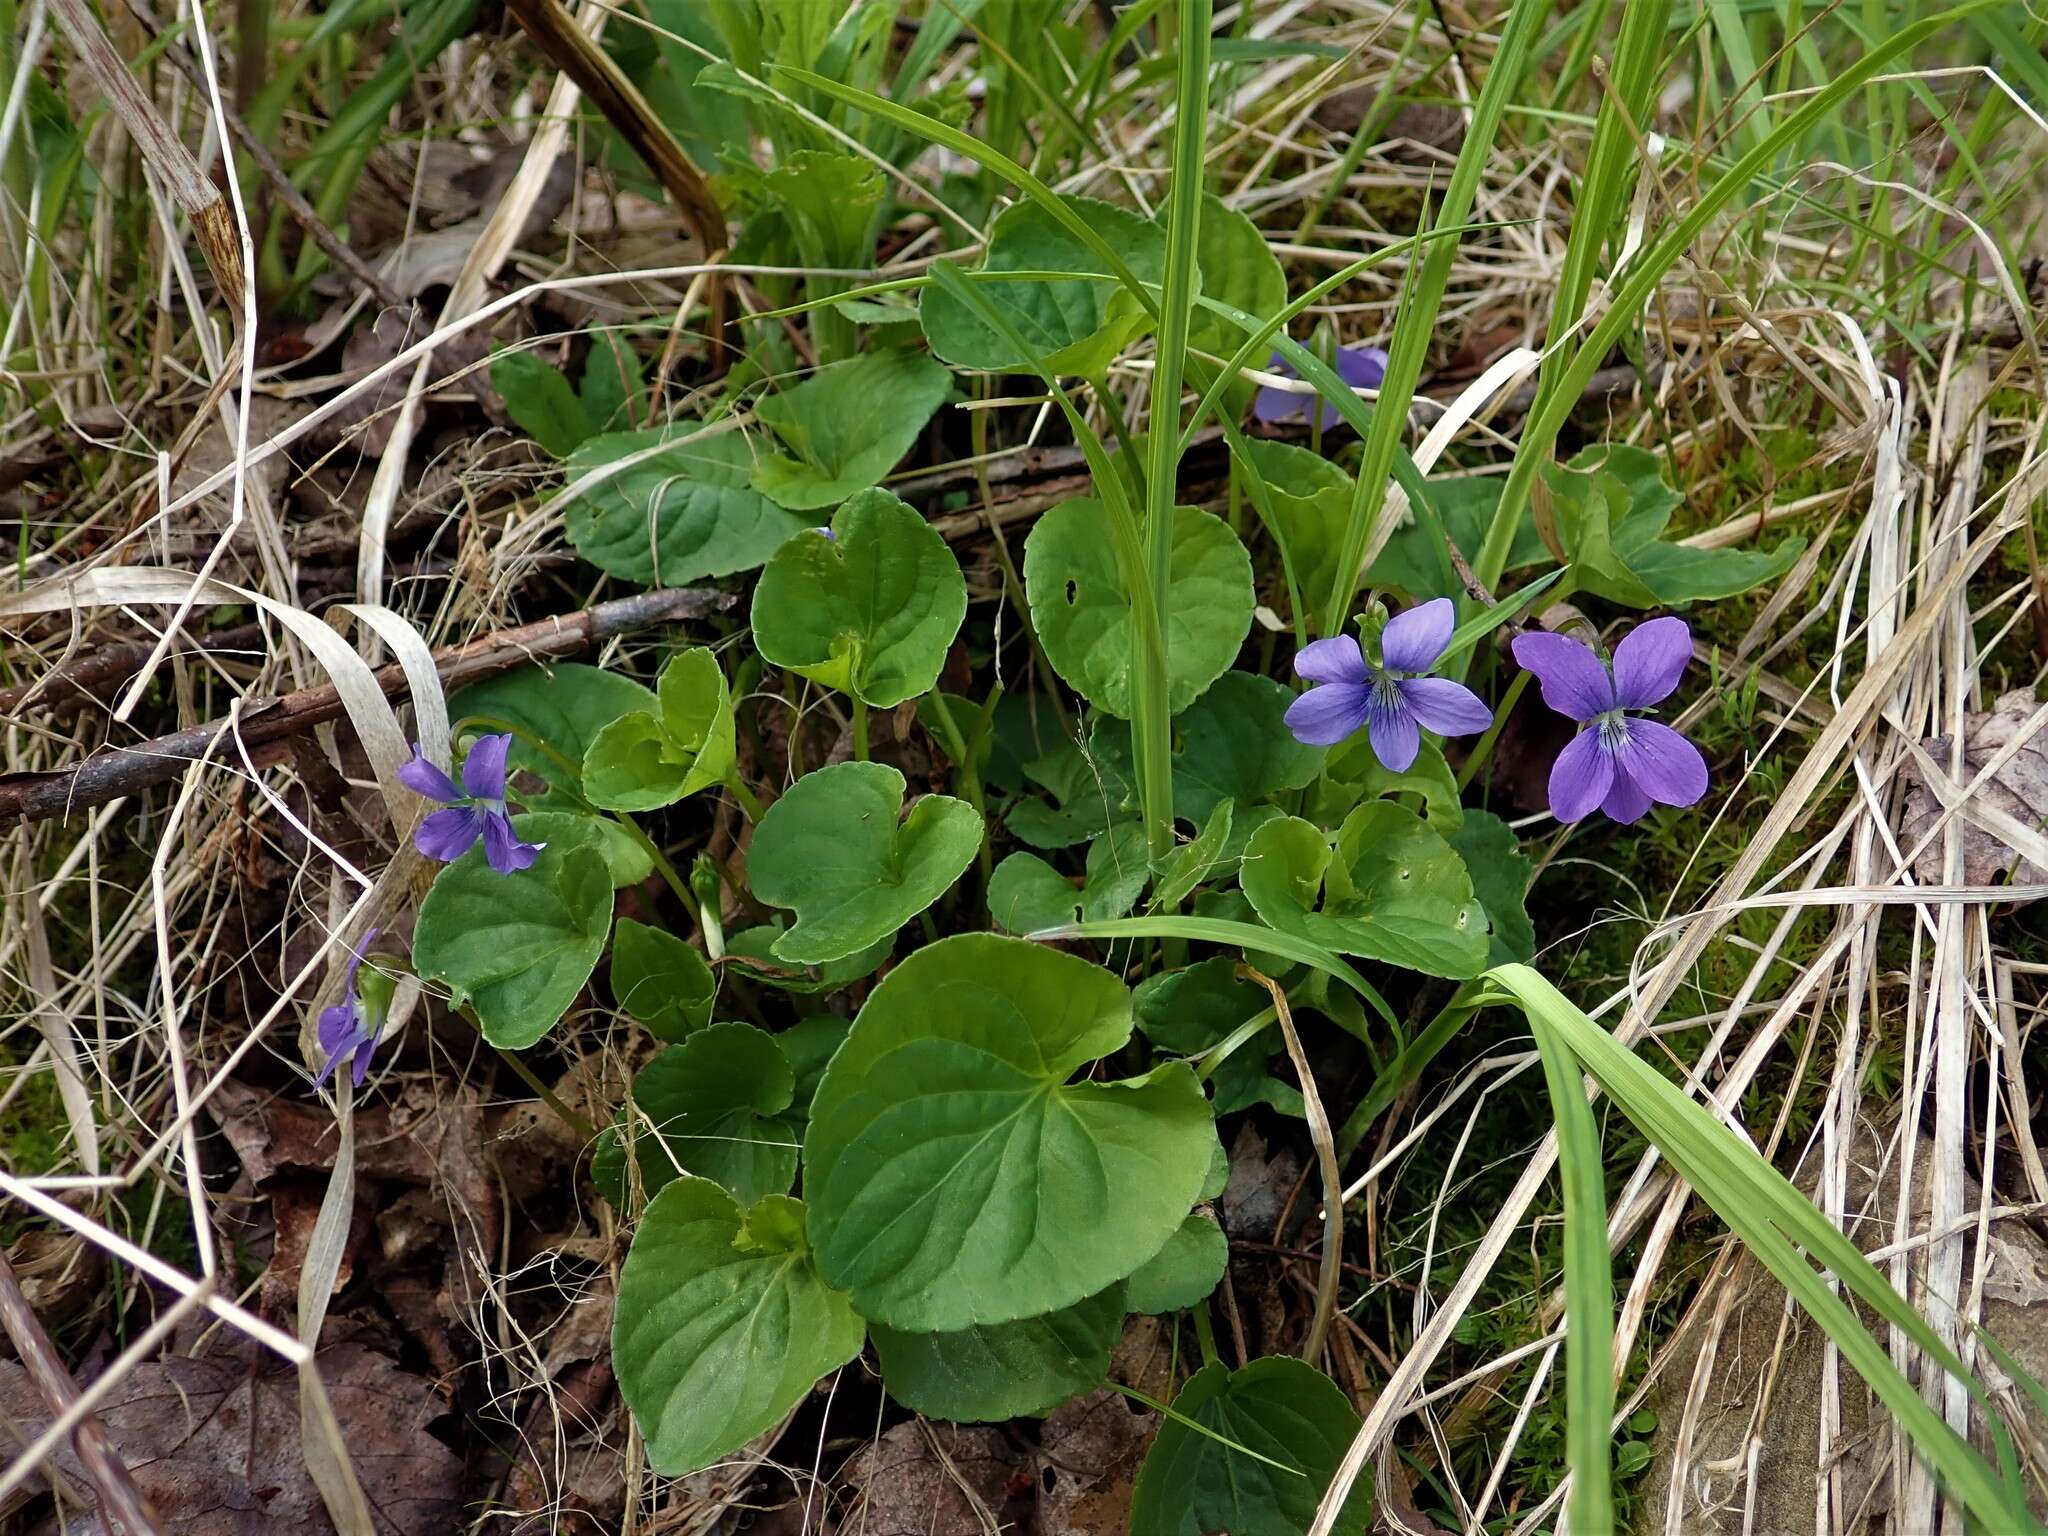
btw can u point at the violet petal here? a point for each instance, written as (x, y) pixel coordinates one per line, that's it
(1665, 766)
(1650, 661)
(1413, 641)
(1574, 682)
(1581, 776)
(1394, 735)
(1625, 803)
(1448, 708)
(1324, 716)
(507, 854)
(446, 835)
(1335, 660)
(1362, 367)
(423, 778)
(483, 771)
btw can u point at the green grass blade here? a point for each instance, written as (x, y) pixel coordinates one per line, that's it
(1650, 265)
(1761, 1207)
(1416, 327)
(1150, 720)
(1221, 930)
(931, 129)
(1588, 1289)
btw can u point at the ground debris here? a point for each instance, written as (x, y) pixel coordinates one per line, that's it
(213, 1442)
(2019, 789)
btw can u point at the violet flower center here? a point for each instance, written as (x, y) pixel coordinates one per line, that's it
(1613, 727)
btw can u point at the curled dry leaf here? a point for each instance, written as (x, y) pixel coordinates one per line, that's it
(2019, 790)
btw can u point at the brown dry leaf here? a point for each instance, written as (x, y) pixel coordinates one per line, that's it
(1092, 1447)
(926, 1479)
(1261, 1179)
(2020, 789)
(213, 1442)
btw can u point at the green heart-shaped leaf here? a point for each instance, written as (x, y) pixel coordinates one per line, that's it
(713, 1106)
(661, 981)
(1182, 1273)
(831, 851)
(556, 712)
(1027, 894)
(1238, 268)
(957, 1176)
(677, 515)
(1235, 745)
(540, 401)
(626, 859)
(1305, 501)
(1193, 862)
(722, 1324)
(1392, 890)
(1354, 774)
(869, 611)
(847, 426)
(1414, 560)
(1194, 1010)
(1075, 326)
(1500, 879)
(519, 947)
(1005, 1370)
(1082, 609)
(648, 759)
(1281, 1408)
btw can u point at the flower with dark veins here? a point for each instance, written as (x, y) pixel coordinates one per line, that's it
(350, 1027)
(1360, 367)
(1621, 762)
(1393, 700)
(476, 810)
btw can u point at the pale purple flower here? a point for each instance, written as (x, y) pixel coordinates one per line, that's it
(476, 810)
(1620, 762)
(1393, 700)
(824, 531)
(345, 1029)
(1360, 367)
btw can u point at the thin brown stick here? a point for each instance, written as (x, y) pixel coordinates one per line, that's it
(571, 50)
(123, 1510)
(71, 683)
(125, 770)
(1325, 1140)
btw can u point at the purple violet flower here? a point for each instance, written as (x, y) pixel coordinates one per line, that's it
(1619, 762)
(476, 810)
(346, 1029)
(1360, 367)
(1393, 699)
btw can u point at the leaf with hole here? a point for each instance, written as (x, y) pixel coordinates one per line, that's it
(1280, 1408)
(846, 426)
(519, 947)
(715, 1106)
(722, 1324)
(869, 611)
(1500, 879)
(1184, 1272)
(681, 510)
(831, 850)
(1073, 326)
(1391, 890)
(1082, 610)
(661, 980)
(648, 759)
(959, 1176)
(1003, 1370)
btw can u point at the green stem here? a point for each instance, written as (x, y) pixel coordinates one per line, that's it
(1205, 1332)
(1483, 752)
(746, 797)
